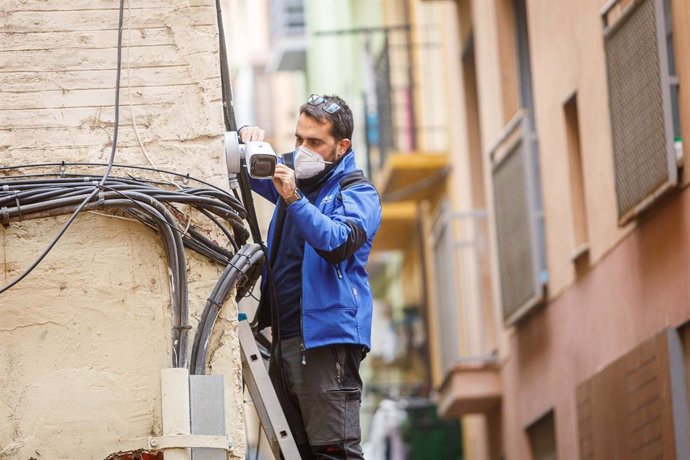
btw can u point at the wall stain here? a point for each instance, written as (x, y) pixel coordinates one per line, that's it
(4, 256)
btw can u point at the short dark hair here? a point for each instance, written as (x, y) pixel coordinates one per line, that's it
(341, 120)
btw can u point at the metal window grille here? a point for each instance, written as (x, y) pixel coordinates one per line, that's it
(640, 105)
(519, 232)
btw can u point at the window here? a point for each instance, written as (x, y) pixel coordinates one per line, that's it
(542, 438)
(577, 181)
(643, 93)
(469, 75)
(673, 77)
(524, 61)
(519, 251)
(516, 179)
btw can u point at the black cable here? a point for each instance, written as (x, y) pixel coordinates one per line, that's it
(246, 259)
(49, 197)
(50, 246)
(230, 237)
(258, 441)
(115, 165)
(180, 287)
(252, 255)
(231, 125)
(228, 110)
(243, 179)
(179, 303)
(110, 163)
(62, 200)
(116, 126)
(153, 207)
(248, 200)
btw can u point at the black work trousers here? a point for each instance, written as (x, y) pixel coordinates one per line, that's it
(320, 391)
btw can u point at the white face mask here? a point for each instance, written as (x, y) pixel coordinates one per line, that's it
(308, 164)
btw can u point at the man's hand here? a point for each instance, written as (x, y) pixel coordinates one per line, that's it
(251, 133)
(284, 180)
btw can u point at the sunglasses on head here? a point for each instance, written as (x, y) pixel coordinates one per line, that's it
(328, 106)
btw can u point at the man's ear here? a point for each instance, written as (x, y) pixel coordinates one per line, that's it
(343, 146)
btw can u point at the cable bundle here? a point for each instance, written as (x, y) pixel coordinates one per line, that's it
(25, 198)
(44, 195)
(244, 268)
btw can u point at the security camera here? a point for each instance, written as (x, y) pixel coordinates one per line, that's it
(258, 157)
(261, 159)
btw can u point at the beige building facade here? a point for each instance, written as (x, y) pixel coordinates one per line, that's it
(85, 336)
(551, 81)
(553, 253)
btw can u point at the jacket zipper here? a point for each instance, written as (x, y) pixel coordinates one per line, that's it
(301, 321)
(340, 276)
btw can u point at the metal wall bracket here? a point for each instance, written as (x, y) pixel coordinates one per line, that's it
(188, 441)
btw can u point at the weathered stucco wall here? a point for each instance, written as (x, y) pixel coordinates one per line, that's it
(83, 338)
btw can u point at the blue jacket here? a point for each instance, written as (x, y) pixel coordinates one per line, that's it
(338, 230)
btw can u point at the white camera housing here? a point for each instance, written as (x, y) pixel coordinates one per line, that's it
(259, 157)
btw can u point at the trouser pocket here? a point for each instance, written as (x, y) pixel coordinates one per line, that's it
(348, 400)
(338, 419)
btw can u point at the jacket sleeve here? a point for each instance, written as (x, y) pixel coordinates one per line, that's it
(337, 236)
(265, 188)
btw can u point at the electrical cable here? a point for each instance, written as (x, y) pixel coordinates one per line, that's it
(228, 109)
(107, 172)
(247, 258)
(52, 244)
(29, 196)
(186, 177)
(226, 210)
(245, 189)
(27, 199)
(116, 126)
(231, 125)
(258, 441)
(247, 198)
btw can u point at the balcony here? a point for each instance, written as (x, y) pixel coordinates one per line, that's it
(406, 179)
(469, 388)
(413, 176)
(463, 313)
(398, 226)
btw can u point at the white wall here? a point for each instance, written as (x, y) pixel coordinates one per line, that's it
(83, 338)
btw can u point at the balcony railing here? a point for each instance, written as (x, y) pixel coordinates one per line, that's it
(406, 107)
(462, 287)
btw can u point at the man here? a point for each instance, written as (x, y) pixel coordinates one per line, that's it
(315, 290)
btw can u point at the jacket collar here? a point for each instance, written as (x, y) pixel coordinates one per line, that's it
(346, 164)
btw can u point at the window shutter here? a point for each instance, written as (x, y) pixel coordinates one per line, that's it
(516, 203)
(640, 105)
